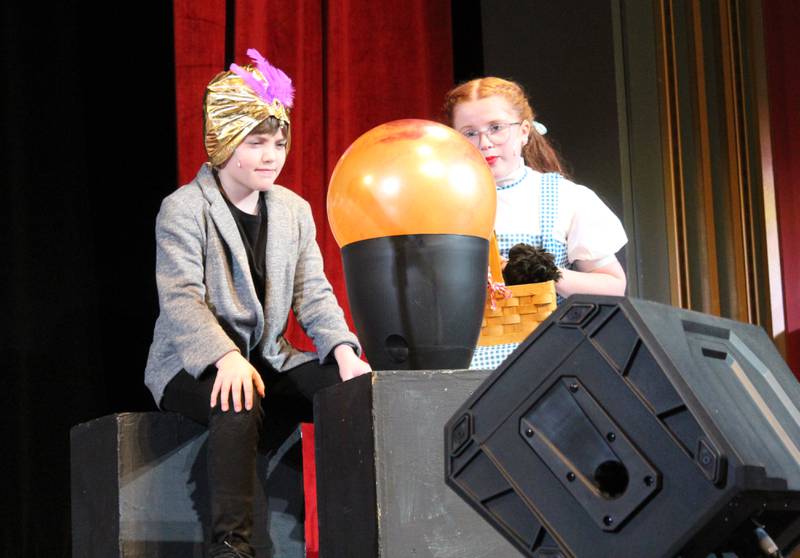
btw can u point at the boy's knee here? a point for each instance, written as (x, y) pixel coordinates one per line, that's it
(253, 415)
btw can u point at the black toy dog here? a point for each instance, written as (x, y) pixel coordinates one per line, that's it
(529, 264)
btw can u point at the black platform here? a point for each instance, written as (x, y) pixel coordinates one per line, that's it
(380, 469)
(139, 490)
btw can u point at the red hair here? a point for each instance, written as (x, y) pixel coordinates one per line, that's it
(538, 153)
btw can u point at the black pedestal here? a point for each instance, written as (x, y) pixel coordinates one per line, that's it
(417, 300)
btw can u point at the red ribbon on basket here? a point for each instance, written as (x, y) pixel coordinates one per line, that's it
(496, 290)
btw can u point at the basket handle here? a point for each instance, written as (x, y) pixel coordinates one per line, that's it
(495, 266)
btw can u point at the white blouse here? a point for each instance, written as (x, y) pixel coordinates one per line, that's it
(591, 231)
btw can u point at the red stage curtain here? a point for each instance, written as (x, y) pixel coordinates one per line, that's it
(199, 55)
(354, 64)
(781, 23)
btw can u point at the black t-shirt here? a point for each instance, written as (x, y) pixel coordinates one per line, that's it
(253, 230)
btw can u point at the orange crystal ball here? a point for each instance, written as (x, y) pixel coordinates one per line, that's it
(410, 177)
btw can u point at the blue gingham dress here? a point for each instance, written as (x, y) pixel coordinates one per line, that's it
(490, 357)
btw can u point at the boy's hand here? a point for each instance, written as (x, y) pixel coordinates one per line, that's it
(235, 374)
(350, 365)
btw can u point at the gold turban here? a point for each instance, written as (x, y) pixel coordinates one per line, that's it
(238, 100)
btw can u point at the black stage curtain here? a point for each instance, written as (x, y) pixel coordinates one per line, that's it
(88, 131)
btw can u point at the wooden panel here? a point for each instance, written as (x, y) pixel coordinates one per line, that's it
(716, 206)
(644, 151)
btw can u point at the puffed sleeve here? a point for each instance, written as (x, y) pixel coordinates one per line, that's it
(595, 233)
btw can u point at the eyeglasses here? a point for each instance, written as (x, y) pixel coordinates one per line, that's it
(497, 133)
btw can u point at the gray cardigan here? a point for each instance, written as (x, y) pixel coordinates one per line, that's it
(208, 304)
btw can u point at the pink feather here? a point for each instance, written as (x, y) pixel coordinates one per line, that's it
(259, 87)
(279, 84)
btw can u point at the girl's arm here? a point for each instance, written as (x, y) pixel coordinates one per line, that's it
(608, 279)
(594, 235)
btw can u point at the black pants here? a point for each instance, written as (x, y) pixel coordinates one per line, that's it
(234, 438)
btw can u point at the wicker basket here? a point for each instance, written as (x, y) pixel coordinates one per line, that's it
(514, 318)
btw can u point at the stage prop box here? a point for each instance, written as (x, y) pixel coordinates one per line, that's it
(380, 469)
(139, 490)
(623, 427)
